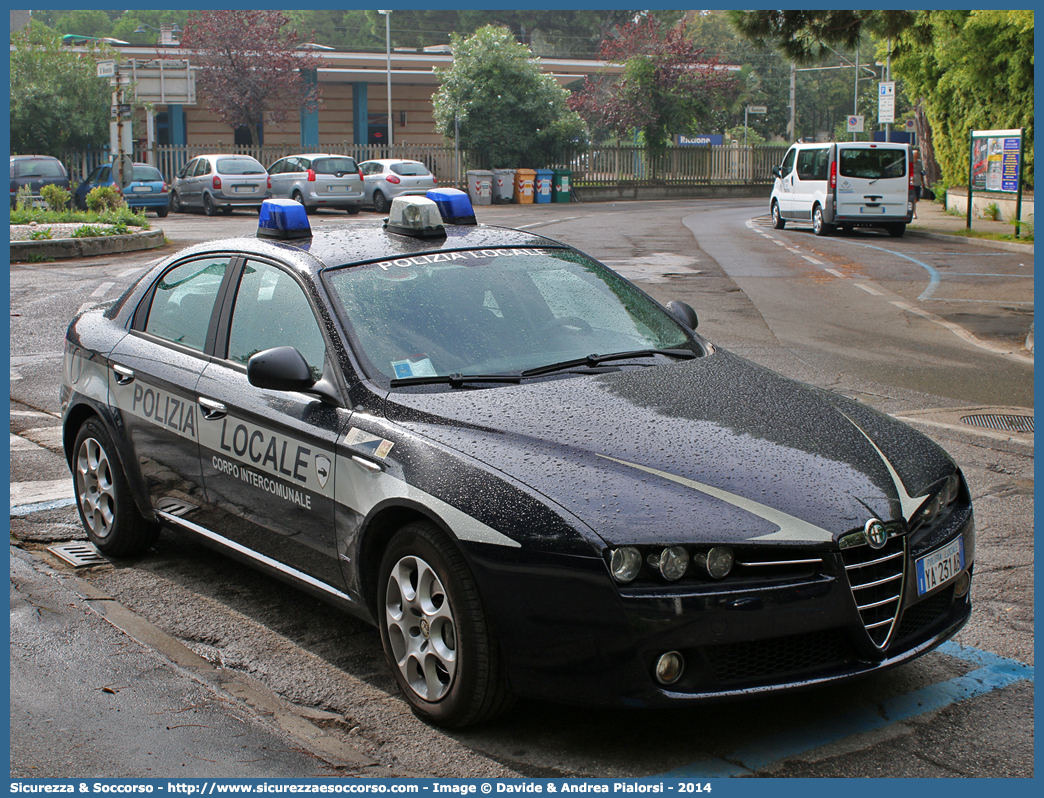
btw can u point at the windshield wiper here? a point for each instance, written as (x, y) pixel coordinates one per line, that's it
(455, 380)
(594, 360)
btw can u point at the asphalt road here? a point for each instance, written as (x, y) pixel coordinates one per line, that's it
(926, 330)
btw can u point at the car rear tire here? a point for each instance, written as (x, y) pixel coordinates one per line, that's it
(896, 230)
(298, 197)
(777, 221)
(380, 202)
(438, 643)
(175, 203)
(353, 210)
(208, 205)
(161, 212)
(103, 497)
(820, 227)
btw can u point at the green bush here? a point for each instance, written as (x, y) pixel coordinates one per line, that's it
(991, 212)
(41, 235)
(88, 231)
(104, 198)
(24, 198)
(56, 197)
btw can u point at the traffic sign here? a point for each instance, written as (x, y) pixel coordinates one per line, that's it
(886, 102)
(757, 109)
(106, 69)
(855, 124)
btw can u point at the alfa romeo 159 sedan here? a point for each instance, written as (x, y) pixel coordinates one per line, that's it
(533, 478)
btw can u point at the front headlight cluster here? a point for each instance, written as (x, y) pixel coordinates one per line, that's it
(943, 498)
(670, 562)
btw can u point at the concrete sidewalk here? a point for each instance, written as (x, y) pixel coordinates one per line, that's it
(98, 692)
(932, 220)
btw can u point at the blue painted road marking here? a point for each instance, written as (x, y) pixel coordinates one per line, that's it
(992, 674)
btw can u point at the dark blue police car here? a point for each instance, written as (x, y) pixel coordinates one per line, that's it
(536, 480)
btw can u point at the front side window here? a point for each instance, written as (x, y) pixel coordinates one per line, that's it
(183, 302)
(495, 311)
(272, 310)
(788, 162)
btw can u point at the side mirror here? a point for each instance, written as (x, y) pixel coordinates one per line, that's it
(777, 172)
(280, 369)
(683, 312)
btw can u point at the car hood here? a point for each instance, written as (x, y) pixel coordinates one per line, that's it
(715, 449)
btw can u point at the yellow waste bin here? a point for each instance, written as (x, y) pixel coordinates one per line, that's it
(524, 182)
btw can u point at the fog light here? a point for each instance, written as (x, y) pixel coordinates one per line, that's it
(963, 583)
(673, 562)
(669, 667)
(717, 562)
(625, 563)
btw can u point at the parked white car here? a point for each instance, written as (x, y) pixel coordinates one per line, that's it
(388, 178)
(846, 185)
(318, 180)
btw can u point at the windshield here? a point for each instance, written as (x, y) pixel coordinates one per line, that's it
(873, 164)
(495, 311)
(239, 166)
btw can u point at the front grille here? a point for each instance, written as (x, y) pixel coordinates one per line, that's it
(925, 614)
(877, 577)
(778, 657)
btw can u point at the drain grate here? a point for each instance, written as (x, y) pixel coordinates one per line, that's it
(79, 555)
(1001, 422)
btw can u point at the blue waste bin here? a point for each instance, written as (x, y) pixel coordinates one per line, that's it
(543, 184)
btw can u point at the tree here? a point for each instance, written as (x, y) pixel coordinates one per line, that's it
(58, 103)
(247, 68)
(668, 86)
(509, 112)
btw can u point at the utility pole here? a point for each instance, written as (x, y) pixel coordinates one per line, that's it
(791, 126)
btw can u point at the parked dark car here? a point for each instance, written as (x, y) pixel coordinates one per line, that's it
(147, 189)
(534, 479)
(36, 171)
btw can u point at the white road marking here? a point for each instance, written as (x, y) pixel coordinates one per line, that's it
(836, 273)
(810, 259)
(962, 333)
(869, 289)
(125, 274)
(20, 444)
(102, 290)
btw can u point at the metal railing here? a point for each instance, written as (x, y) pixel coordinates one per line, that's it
(598, 166)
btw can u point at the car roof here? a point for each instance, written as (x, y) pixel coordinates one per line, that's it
(318, 155)
(389, 161)
(34, 157)
(366, 242)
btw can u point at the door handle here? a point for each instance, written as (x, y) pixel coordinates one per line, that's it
(124, 375)
(211, 409)
(369, 465)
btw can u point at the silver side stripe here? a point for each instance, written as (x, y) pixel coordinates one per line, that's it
(908, 504)
(261, 558)
(361, 489)
(790, 528)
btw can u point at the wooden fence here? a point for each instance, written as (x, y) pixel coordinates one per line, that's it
(601, 166)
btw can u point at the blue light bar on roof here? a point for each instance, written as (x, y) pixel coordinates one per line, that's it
(283, 218)
(454, 205)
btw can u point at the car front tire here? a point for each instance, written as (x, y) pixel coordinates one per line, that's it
(438, 643)
(778, 221)
(103, 497)
(380, 202)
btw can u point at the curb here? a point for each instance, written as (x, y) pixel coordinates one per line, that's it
(1010, 246)
(86, 247)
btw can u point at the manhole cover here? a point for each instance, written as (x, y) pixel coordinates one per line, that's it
(79, 555)
(1001, 422)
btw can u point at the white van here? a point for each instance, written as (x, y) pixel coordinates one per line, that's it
(846, 185)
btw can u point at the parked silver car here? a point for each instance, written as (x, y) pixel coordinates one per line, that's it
(388, 178)
(224, 182)
(318, 180)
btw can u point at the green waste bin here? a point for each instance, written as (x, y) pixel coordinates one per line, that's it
(561, 185)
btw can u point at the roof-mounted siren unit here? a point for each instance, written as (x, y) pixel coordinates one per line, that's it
(417, 217)
(454, 205)
(283, 218)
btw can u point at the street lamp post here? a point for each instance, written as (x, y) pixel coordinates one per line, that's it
(387, 44)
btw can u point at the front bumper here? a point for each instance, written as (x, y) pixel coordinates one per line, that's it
(569, 634)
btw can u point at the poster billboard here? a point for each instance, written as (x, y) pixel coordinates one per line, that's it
(995, 160)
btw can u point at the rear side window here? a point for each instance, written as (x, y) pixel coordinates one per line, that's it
(335, 165)
(410, 169)
(239, 166)
(184, 301)
(872, 164)
(812, 164)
